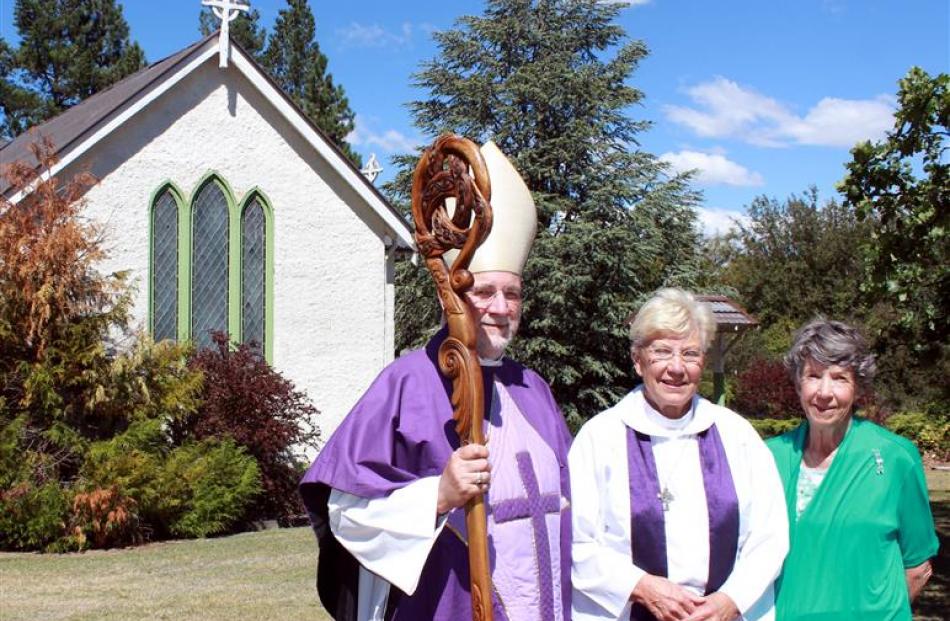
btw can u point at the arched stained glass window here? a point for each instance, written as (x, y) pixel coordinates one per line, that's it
(209, 276)
(253, 297)
(165, 267)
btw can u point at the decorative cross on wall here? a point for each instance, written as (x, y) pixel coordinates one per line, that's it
(534, 507)
(227, 11)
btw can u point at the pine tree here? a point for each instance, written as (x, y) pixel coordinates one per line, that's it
(294, 60)
(69, 50)
(547, 81)
(245, 29)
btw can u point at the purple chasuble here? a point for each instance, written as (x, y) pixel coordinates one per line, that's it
(647, 520)
(524, 504)
(402, 430)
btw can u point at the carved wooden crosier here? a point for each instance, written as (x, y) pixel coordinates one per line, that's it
(443, 172)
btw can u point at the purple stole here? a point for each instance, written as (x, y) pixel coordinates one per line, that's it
(647, 520)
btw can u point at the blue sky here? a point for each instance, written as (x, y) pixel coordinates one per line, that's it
(761, 97)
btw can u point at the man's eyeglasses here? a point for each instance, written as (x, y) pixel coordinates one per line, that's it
(665, 354)
(483, 297)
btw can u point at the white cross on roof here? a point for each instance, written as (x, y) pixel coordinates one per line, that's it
(227, 11)
(372, 168)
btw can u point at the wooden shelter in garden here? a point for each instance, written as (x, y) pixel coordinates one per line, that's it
(731, 321)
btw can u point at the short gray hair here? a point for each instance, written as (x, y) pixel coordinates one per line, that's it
(673, 311)
(829, 342)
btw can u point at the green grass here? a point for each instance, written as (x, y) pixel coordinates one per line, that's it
(934, 601)
(266, 576)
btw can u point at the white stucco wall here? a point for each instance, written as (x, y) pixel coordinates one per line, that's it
(333, 288)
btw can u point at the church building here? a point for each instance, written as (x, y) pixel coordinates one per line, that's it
(233, 212)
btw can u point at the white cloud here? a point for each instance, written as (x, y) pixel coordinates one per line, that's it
(712, 168)
(843, 122)
(719, 221)
(724, 109)
(388, 141)
(374, 35)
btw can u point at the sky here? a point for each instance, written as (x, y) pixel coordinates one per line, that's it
(759, 97)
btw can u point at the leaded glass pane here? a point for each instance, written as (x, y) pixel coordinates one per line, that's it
(209, 276)
(165, 268)
(252, 274)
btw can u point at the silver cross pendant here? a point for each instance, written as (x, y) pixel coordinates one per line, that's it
(666, 497)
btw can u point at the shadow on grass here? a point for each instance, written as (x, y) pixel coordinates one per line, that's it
(934, 602)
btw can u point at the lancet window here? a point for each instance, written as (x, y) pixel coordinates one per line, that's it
(164, 275)
(211, 265)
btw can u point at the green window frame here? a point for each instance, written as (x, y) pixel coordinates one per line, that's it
(256, 197)
(167, 187)
(236, 210)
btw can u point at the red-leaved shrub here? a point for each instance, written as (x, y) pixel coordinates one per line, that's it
(247, 400)
(764, 390)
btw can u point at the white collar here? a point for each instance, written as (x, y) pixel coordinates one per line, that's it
(637, 413)
(486, 362)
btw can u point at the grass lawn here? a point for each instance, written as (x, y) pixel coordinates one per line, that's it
(934, 601)
(266, 576)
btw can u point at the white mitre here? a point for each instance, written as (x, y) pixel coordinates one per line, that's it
(514, 219)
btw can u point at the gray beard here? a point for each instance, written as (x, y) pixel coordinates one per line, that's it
(492, 349)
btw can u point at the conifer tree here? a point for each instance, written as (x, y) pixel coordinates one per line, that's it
(547, 80)
(294, 60)
(69, 50)
(245, 29)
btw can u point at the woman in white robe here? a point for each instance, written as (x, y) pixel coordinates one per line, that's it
(678, 510)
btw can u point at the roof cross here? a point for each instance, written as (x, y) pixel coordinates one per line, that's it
(372, 168)
(227, 11)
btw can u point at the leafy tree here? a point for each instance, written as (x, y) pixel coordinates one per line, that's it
(902, 185)
(56, 312)
(69, 50)
(547, 80)
(796, 259)
(294, 60)
(245, 29)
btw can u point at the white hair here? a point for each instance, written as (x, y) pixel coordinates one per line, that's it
(672, 311)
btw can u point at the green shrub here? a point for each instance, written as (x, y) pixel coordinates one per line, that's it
(208, 487)
(194, 490)
(33, 517)
(931, 433)
(11, 452)
(131, 464)
(768, 427)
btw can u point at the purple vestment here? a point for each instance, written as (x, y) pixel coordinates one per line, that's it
(402, 430)
(647, 518)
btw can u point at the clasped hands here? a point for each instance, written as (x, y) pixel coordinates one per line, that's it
(465, 475)
(670, 602)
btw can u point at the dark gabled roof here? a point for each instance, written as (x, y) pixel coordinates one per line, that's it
(67, 129)
(728, 314)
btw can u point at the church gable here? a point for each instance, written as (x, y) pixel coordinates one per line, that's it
(232, 213)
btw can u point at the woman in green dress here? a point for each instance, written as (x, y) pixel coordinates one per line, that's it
(861, 531)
